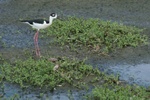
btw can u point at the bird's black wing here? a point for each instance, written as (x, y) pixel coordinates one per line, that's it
(40, 21)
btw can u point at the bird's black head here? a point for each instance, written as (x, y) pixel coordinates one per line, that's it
(53, 14)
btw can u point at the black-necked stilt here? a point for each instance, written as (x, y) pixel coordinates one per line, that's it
(39, 24)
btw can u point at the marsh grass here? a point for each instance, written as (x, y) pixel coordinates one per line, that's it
(95, 34)
(73, 73)
(40, 73)
(2, 44)
(118, 93)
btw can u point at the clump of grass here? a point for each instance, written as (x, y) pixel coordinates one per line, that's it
(2, 44)
(95, 34)
(118, 93)
(40, 73)
(29, 71)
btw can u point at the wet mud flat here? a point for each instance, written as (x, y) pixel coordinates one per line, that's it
(131, 63)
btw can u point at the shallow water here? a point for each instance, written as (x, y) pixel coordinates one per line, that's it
(35, 94)
(134, 74)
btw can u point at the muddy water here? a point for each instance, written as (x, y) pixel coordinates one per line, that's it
(132, 64)
(127, 62)
(134, 73)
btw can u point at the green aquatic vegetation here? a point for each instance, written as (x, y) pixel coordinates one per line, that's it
(118, 93)
(1, 59)
(29, 71)
(40, 73)
(95, 34)
(2, 43)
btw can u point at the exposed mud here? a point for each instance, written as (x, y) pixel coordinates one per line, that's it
(16, 37)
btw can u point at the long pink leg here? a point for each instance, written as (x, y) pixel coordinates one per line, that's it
(37, 49)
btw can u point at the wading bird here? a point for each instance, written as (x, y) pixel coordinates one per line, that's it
(39, 24)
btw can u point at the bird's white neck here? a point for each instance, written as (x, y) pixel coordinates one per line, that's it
(50, 20)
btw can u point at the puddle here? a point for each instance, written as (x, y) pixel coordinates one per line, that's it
(138, 74)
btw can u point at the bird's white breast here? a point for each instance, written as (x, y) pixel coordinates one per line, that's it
(40, 26)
